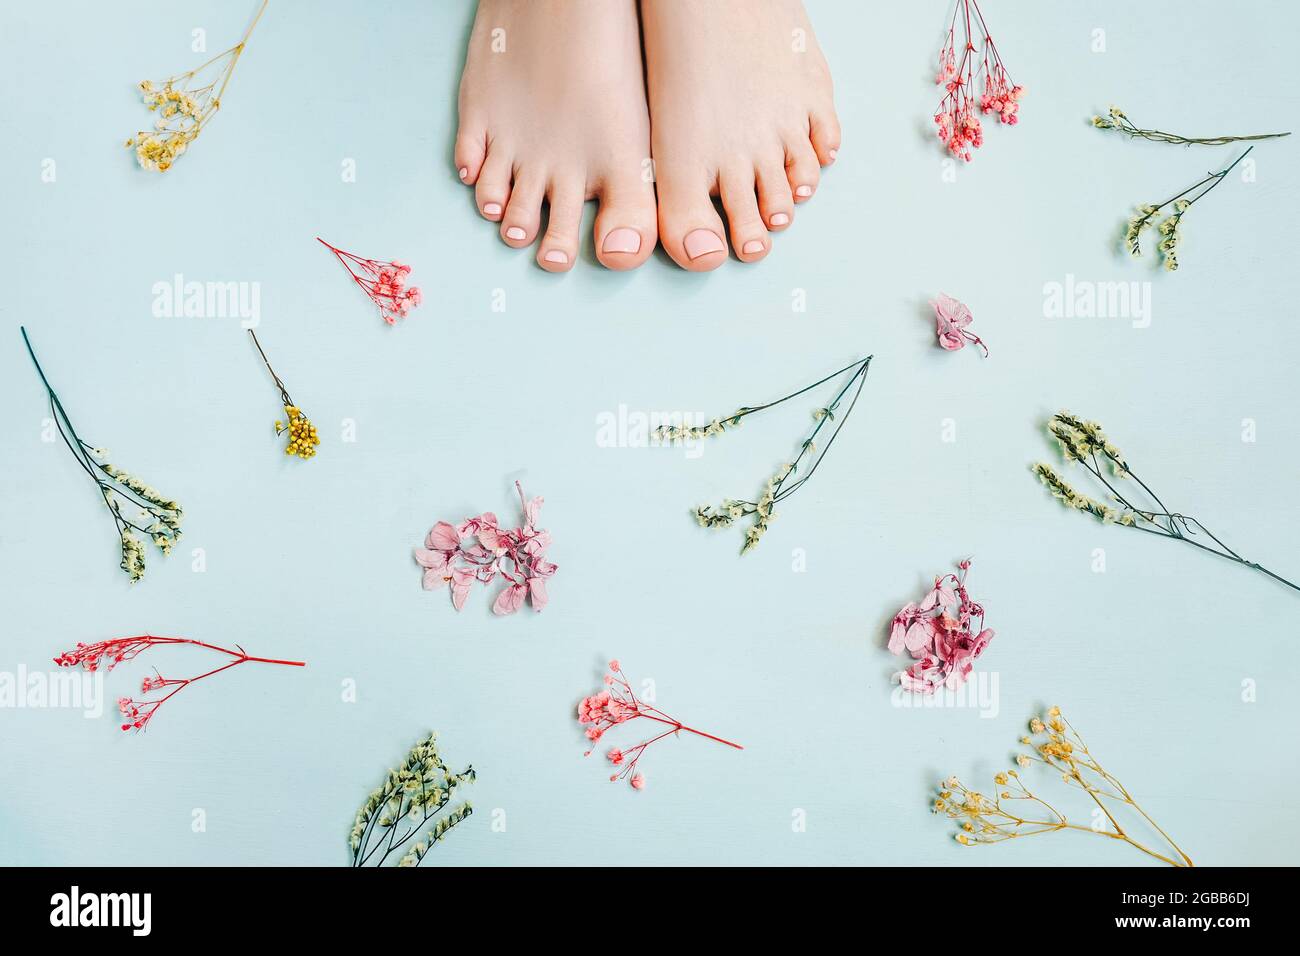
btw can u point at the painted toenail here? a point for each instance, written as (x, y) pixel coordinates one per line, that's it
(780, 219)
(492, 209)
(622, 240)
(701, 242)
(515, 233)
(464, 172)
(557, 256)
(753, 246)
(832, 154)
(803, 192)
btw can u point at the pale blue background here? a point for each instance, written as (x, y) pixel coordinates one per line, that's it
(312, 560)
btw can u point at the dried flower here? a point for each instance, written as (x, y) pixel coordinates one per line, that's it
(1017, 812)
(779, 486)
(1168, 230)
(135, 507)
(138, 712)
(184, 109)
(303, 438)
(959, 127)
(1084, 442)
(941, 635)
(478, 549)
(618, 704)
(951, 319)
(1116, 119)
(383, 282)
(411, 795)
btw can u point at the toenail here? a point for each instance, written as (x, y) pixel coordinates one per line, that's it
(515, 233)
(464, 172)
(803, 192)
(701, 242)
(558, 256)
(780, 219)
(622, 240)
(492, 209)
(832, 154)
(753, 247)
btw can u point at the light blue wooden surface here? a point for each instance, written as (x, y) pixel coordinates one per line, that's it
(312, 560)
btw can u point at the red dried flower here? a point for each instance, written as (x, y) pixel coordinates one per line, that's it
(383, 282)
(617, 705)
(959, 126)
(138, 713)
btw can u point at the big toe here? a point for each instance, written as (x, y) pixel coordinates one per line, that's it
(689, 226)
(625, 226)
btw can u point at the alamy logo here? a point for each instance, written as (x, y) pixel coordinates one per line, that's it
(980, 693)
(1084, 299)
(39, 690)
(208, 300)
(102, 909)
(626, 428)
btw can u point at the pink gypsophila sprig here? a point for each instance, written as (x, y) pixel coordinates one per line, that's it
(941, 635)
(138, 712)
(383, 282)
(958, 124)
(951, 321)
(479, 549)
(618, 704)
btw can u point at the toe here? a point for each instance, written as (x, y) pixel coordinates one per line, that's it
(775, 200)
(689, 226)
(492, 189)
(748, 232)
(471, 150)
(824, 132)
(558, 249)
(523, 215)
(802, 170)
(625, 226)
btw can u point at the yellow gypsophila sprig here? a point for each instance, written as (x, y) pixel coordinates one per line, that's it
(1014, 810)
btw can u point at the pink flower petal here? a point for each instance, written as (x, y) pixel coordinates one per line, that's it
(510, 600)
(443, 537)
(537, 593)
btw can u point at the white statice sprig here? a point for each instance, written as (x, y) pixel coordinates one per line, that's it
(409, 804)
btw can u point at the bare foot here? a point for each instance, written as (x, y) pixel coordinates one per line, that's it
(741, 107)
(552, 106)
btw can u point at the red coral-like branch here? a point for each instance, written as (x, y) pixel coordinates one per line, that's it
(619, 704)
(384, 283)
(138, 713)
(959, 128)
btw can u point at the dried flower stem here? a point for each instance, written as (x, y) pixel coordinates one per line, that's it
(986, 820)
(303, 438)
(184, 112)
(109, 654)
(779, 486)
(410, 796)
(148, 512)
(1168, 229)
(1117, 120)
(1083, 441)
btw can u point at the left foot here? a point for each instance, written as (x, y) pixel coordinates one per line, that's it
(740, 107)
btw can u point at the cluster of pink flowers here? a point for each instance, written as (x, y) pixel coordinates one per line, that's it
(951, 319)
(138, 713)
(941, 635)
(479, 549)
(959, 127)
(618, 704)
(383, 282)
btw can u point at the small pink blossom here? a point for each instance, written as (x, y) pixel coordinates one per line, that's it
(606, 709)
(940, 636)
(951, 319)
(384, 283)
(958, 127)
(479, 550)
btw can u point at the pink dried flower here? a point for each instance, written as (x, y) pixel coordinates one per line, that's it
(607, 709)
(383, 282)
(478, 549)
(951, 319)
(959, 127)
(940, 635)
(138, 713)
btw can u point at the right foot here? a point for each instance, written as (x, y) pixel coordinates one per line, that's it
(552, 106)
